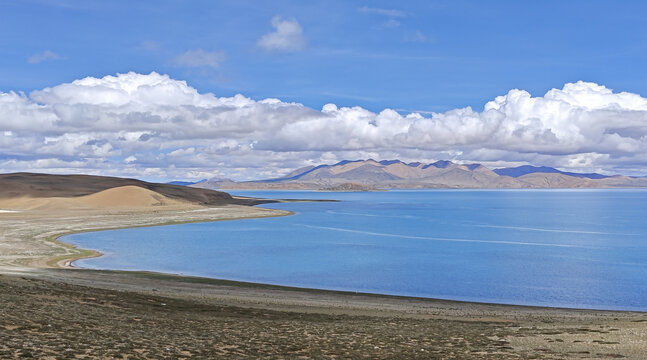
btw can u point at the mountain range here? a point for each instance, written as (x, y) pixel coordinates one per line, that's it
(394, 174)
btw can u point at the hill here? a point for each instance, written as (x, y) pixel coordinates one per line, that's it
(122, 197)
(44, 191)
(395, 174)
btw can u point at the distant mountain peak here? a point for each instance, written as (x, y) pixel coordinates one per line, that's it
(185, 183)
(390, 162)
(518, 171)
(474, 166)
(344, 162)
(442, 164)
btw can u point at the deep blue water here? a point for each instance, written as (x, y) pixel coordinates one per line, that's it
(565, 248)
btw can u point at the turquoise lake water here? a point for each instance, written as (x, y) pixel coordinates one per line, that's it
(564, 248)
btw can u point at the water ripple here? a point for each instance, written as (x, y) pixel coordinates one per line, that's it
(445, 239)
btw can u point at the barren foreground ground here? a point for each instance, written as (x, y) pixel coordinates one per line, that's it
(73, 313)
(89, 314)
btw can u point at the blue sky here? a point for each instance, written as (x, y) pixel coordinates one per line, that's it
(414, 55)
(148, 88)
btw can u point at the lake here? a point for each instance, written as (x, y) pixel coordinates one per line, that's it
(562, 248)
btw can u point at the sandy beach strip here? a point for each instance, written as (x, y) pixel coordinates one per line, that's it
(265, 321)
(30, 238)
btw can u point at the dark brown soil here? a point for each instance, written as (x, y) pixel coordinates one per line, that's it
(44, 318)
(41, 319)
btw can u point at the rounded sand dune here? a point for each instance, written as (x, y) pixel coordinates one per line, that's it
(122, 197)
(128, 196)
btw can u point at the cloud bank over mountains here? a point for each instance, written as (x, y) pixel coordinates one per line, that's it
(156, 127)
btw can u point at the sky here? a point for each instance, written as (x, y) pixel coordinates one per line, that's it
(170, 90)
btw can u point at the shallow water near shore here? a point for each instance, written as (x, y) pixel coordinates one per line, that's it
(561, 248)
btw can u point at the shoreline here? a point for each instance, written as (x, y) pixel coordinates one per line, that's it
(33, 238)
(67, 262)
(153, 306)
(251, 284)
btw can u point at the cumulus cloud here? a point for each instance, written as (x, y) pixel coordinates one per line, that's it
(200, 58)
(286, 37)
(154, 126)
(44, 56)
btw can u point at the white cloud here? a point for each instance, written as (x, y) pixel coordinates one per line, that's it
(200, 58)
(163, 127)
(44, 56)
(286, 37)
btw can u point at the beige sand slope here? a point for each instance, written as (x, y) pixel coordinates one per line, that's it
(128, 196)
(122, 197)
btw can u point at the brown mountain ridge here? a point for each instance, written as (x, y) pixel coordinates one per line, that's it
(395, 174)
